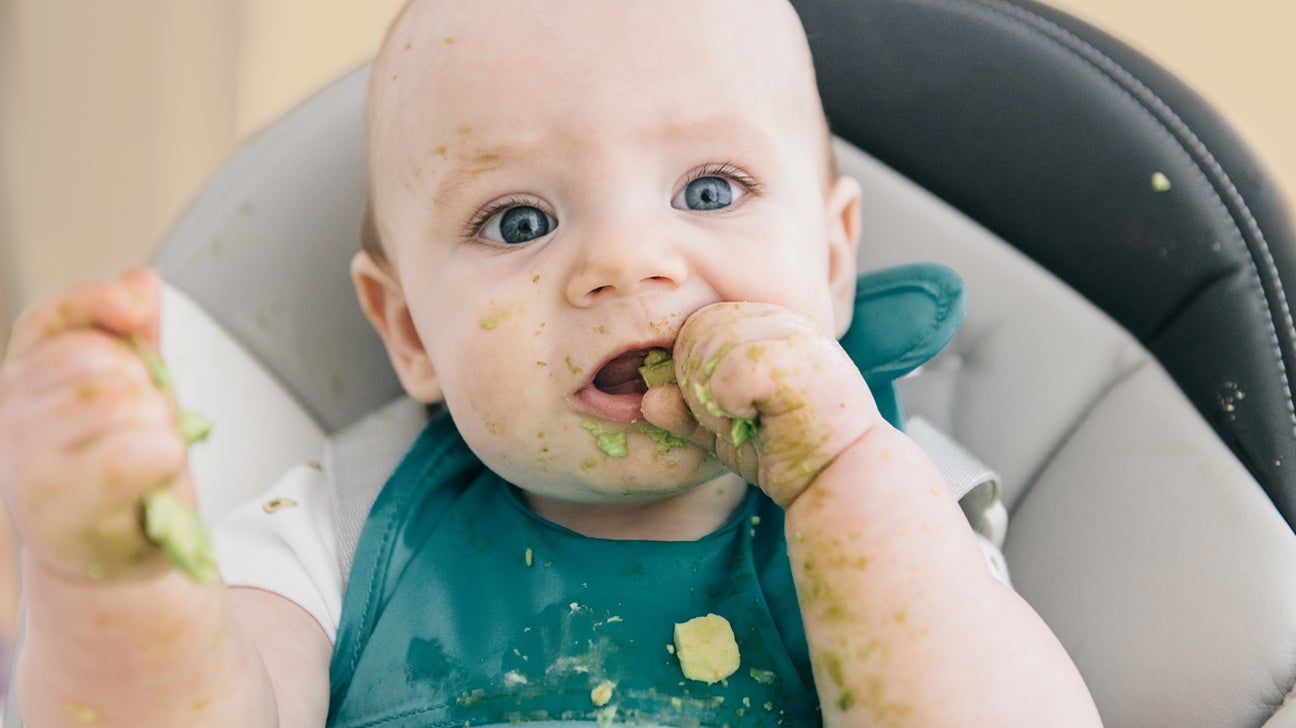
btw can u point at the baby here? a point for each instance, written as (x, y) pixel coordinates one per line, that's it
(559, 190)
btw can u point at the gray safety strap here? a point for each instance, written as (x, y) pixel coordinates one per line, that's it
(971, 481)
(359, 458)
(357, 462)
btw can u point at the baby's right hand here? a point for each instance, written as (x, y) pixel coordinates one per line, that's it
(85, 430)
(772, 394)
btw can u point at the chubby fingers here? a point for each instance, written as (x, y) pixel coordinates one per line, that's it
(664, 406)
(77, 385)
(80, 446)
(780, 395)
(125, 306)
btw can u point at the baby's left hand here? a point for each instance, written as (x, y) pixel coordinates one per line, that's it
(774, 395)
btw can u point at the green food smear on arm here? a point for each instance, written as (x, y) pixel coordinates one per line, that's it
(658, 368)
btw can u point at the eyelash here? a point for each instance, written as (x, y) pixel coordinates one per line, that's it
(728, 171)
(473, 228)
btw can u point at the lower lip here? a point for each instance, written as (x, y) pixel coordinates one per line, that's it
(614, 407)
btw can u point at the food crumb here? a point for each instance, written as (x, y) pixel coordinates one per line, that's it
(1160, 182)
(706, 648)
(489, 323)
(602, 693)
(513, 678)
(530, 557)
(82, 713)
(278, 504)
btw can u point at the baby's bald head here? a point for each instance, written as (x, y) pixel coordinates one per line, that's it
(433, 41)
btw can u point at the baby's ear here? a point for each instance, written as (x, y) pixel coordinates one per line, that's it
(843, 213)
(383, 301)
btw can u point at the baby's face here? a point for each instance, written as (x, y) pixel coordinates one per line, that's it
(560, 184)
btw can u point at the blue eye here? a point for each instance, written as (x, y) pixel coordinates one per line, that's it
(519, 224)
(707, 193)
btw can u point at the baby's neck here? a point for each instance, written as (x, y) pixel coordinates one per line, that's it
(685, 517)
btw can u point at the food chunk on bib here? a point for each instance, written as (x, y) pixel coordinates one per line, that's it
(706, 648)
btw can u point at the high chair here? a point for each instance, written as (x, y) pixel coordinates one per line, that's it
(1125, 364)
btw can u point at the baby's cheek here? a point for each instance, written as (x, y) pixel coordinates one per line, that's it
(502, 377)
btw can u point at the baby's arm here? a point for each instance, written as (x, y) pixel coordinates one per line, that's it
(906, 624)
(116, 636)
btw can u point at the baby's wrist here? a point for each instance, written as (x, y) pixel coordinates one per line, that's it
(134, 604)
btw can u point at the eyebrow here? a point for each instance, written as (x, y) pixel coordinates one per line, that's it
(482, 162)
(713, 126)
(731, 128)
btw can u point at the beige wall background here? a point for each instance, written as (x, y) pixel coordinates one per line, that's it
(112, 114)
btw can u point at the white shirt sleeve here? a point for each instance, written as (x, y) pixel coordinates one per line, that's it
(283, 542)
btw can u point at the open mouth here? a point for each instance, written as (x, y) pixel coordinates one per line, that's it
(617, 389)
(621, 375)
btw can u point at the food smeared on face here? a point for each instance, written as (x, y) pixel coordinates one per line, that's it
(613, 444)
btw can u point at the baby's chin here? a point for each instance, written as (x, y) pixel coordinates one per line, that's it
(646, 473)
(661, 511)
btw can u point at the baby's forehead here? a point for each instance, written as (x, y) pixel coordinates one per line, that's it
(574, 48)
(541, 30)
(461, 77)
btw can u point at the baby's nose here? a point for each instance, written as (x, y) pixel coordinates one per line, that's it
(625, 268)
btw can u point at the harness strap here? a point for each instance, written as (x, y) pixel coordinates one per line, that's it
(359, 459)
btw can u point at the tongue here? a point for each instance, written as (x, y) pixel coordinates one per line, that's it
(621, 375)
